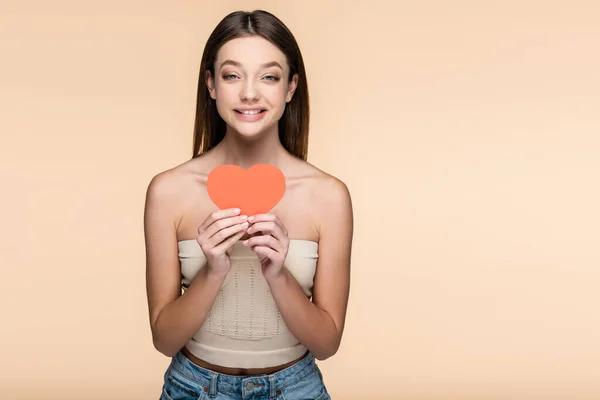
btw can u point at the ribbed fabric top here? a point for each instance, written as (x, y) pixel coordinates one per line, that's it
(244, 328)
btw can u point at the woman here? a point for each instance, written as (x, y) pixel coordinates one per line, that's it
(244, 305)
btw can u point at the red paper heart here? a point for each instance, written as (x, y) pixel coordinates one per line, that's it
(254, 191)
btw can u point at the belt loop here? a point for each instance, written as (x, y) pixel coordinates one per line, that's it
(273, 391)
(213, 385)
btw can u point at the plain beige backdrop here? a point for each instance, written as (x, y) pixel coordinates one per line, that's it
(468, 133)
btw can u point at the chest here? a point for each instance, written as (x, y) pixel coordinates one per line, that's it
(246, 275)
(295, 211)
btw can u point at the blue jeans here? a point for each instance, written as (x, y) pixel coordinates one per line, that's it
(301, 381)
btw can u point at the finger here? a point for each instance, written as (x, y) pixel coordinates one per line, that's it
(268, 218)
(221, 224)
(226, 244)
(223, 234)
(217, 215)
(262, 217)
(265, 240)
(268, 227)
(265, 252)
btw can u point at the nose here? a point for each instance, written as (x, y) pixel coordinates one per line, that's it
(249, 92)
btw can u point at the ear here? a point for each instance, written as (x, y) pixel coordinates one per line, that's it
(210, 85)
(291, 88)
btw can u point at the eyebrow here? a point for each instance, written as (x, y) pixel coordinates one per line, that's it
(265, 65)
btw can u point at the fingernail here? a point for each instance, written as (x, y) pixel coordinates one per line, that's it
(245, 243)
(243, 216)
(236, 210)
(251, 218)
(244, 224)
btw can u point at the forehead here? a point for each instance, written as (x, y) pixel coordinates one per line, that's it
(251, 52)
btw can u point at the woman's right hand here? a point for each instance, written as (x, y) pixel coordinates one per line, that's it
(217, 234)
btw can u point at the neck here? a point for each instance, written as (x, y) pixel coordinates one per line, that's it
(266, 149)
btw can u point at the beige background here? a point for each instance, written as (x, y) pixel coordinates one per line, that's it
(467, 132)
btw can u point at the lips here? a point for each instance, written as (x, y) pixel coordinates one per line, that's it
(250, 114)
(250, 111)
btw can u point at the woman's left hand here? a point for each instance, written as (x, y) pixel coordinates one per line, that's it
(272, 246)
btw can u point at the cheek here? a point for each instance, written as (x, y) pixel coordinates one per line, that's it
(225, 100)
(276, 99)
(223, 94)
(282, 94)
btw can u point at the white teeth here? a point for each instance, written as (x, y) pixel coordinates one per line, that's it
(250, 112)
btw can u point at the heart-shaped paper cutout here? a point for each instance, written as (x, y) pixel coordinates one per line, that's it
(254, 191)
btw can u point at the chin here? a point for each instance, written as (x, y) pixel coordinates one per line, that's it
(251, 131)
(248, 133)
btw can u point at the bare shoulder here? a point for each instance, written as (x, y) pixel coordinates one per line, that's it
(167, 182)
(325, 188)
(329, 195)
(174, 188)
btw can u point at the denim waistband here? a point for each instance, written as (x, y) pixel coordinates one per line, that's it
(251, 385)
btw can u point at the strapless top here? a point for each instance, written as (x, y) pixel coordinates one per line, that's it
(244, 327)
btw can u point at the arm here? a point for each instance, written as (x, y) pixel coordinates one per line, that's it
(319, 324)
(174, 318)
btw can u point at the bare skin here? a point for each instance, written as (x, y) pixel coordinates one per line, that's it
(316, 207)
(294, 209)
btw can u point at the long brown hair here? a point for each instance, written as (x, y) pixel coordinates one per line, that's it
(209, 128)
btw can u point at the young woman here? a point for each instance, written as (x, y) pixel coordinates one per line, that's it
(244, 304)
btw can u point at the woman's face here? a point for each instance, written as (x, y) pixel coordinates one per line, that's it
(250, 85)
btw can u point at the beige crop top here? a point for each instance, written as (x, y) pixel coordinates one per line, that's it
(244, 328)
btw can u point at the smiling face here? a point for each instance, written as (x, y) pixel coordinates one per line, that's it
(250, 85)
